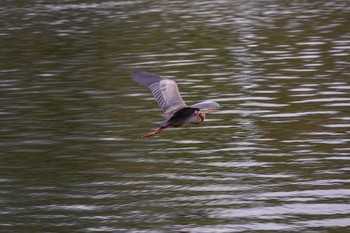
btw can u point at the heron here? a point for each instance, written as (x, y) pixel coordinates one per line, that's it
(176, 112)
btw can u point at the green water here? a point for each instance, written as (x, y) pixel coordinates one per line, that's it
(275, 158)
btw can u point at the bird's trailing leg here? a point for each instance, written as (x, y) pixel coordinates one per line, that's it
(155, 132)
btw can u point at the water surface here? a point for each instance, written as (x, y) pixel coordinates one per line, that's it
(275, 158)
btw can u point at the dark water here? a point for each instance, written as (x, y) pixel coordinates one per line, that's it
(274, 159)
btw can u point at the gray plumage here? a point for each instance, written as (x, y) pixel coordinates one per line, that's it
(164, 90)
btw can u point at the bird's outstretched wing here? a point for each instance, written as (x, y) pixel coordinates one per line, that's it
(206, 106)
(164, 90)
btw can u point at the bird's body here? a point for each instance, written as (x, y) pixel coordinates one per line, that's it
(166, 93)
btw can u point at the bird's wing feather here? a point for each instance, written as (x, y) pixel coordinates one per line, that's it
(145, 78)
(206, 105)
(164, 90)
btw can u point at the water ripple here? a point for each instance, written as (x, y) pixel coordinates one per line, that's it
(273, 159)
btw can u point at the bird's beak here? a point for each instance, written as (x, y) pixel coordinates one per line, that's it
(209, 110)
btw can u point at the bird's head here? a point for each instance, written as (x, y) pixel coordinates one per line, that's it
(200, 116)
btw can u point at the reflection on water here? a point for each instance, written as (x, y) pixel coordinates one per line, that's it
(275, 158)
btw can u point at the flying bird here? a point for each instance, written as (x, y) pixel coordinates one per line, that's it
(166, 93)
